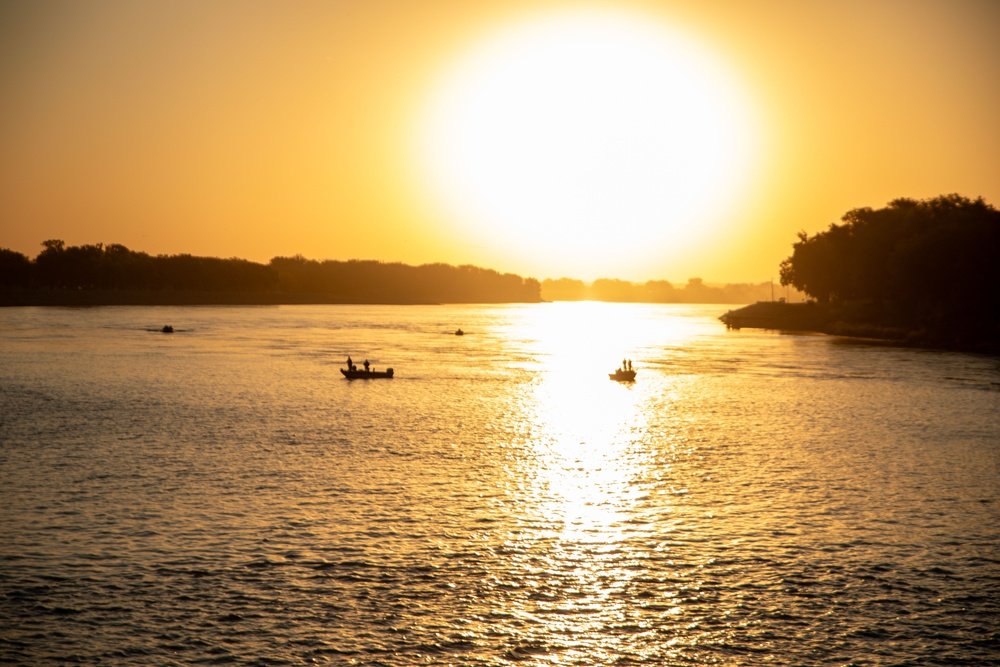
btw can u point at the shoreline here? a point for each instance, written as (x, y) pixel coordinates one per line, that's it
(834, 320)
(846, 322)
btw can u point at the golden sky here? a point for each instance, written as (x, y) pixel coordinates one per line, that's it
(634, 140)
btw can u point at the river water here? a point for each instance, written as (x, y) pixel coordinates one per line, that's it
(222, 495)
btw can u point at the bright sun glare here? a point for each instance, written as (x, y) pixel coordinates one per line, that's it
(578, 139)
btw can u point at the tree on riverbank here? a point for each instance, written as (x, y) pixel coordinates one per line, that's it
(932, 264)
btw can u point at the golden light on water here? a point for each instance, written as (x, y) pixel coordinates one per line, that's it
(753, 498)
(592, 470)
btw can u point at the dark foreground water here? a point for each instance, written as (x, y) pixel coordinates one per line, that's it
(222, 495)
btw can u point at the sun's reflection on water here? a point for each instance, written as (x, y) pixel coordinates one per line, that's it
(592, 482)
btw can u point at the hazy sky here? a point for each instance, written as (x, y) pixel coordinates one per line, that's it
(634, 140)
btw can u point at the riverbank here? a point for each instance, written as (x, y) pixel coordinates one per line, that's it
(854, 321)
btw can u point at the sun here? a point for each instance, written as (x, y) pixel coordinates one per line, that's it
(585, 141)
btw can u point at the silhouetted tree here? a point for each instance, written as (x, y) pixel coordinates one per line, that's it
(51, 266)
(115, 267)
(365, 280)
(932, 263)
(611, 289)
(16, 270)
(660, 291)
(563, 289)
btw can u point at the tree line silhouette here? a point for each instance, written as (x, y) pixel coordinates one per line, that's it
(112, 273)
(73, 272)
(661, 291)
(931, 265)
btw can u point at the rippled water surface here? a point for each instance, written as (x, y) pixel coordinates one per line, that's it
(222, 495)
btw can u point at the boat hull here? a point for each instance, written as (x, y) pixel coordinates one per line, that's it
(366, 375)
(622, 376)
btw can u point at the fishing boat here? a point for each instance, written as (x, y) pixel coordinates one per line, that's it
(620, 375)
(362, 374)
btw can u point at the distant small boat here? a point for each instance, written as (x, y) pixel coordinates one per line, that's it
(362, 374)
(167, 329)
(623, 375)
(459, 332)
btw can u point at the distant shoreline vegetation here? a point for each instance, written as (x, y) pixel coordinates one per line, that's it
(114, 275)
(918, 272)
(100, 274)
(661, 291)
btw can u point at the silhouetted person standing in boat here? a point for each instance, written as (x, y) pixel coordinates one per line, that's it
(350, 364)
(366, 365)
